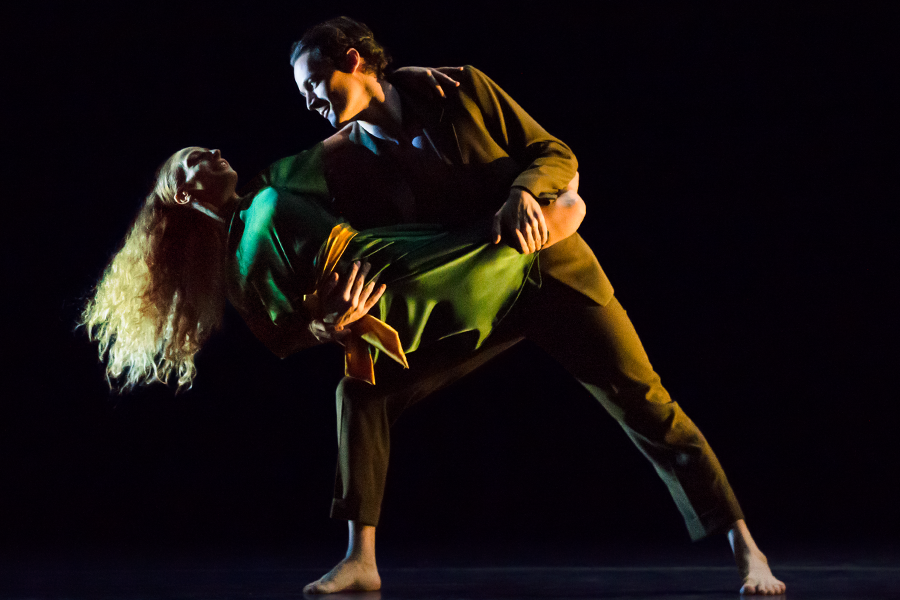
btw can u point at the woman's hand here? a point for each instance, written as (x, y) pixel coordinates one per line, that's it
(429, 80)
(345, 300)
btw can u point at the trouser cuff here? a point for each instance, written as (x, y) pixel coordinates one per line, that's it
(715, 521)
(349, 511)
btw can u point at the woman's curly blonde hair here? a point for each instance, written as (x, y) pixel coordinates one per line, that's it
(162, 294)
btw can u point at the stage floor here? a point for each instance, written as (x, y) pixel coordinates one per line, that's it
(189, 577)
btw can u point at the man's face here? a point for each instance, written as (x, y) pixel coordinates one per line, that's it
(337, 95)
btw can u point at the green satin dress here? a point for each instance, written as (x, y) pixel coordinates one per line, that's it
(440, 282)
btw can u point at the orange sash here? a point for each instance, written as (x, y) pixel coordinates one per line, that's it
(367, 330)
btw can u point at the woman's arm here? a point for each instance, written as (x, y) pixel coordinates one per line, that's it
(564, 216)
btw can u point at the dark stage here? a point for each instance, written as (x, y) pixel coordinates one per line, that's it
(740, 176)
(811, 574)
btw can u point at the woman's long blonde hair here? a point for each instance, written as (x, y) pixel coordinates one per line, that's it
(162, 294)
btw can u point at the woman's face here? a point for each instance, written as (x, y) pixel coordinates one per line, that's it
(208, 177)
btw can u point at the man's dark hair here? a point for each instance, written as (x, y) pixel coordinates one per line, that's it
(334, 37)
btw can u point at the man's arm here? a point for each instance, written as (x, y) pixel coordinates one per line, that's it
(548, 165)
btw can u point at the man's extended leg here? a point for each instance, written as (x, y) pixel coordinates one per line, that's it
(600, 347)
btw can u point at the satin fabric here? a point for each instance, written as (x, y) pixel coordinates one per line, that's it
(440, 282)
(365, 331)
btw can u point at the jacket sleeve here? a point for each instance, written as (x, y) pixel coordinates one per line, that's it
(547, 163)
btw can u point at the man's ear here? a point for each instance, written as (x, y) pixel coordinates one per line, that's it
(353, 62)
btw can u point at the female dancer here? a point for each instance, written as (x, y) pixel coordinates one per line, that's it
(278, 256)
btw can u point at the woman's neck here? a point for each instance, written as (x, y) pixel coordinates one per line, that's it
(219, 212)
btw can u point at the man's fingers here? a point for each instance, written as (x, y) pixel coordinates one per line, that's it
(523, 245)
(531, 236)
(535, 218)
(441, 75)
(495, 227)
(542, 228)
(437, 85)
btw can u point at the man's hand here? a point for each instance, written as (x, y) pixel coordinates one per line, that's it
(521, 222)
(429, 80)
(345, 300)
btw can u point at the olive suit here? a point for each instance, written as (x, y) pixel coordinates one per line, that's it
(457, 160)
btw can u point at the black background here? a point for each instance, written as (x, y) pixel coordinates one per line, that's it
(737, 165)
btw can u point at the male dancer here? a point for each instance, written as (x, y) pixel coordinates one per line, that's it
(402, 157)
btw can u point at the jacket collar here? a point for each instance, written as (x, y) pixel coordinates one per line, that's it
(434, 117)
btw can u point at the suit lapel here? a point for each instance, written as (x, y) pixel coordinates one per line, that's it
(437, 127)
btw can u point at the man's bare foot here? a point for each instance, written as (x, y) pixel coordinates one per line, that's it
(349, 575)
(757, 576)
(751, 562)
(358, 572)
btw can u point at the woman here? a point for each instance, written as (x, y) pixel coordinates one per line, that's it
(277, 256)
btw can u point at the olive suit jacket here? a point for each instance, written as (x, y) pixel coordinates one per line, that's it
(481, 143)
(463, 156)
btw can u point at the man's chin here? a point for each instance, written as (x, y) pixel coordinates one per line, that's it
(339, 119)
(335, 122)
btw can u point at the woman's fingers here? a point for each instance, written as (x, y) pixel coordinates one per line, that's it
(372, 295)
(350, 281)
(359, 284)
(329, 285)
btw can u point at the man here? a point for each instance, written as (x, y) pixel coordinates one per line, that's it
(401, 156)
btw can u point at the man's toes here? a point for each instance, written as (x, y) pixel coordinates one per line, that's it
(748, 588)
(774, 588)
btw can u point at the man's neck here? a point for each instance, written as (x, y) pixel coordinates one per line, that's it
(383, 118)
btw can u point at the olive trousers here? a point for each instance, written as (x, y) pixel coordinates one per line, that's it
(599, 346)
